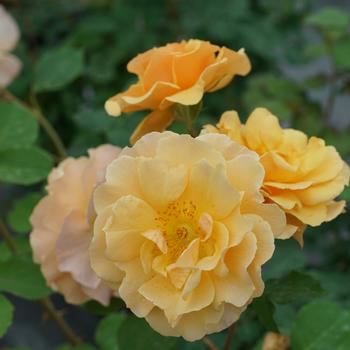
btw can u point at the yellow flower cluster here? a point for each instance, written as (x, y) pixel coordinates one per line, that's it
(302, 175)
(180, 226)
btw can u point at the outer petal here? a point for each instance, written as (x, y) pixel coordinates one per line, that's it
(9, 32)
(157, 120)
(10, 66)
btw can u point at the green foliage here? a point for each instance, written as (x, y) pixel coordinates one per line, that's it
(341, 54)
(329, 18)
(18, 126)
(57, 68)
(81, 61)
(23, 247)
(24, 166)
(265, 311)
(321, 326)
(277, 94)
(96, 308)
(106, 335)
(295, 285)
(6, 314)
(93, 120)
(19, 216)
(287, 256)
(20, 161)
(20, 276)
(146, 337)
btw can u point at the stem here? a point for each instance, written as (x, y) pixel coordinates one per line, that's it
(44, 123)
(209, 343)
(231, 332)
(51, 132)
(188, 115)
(189, 127)
(45, 302)
(58, 318)
(7, 237)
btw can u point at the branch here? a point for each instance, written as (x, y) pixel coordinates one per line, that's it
(45, 302)
(209, 343)
(44, 123)
(7, 237)
(231, 332)
(60, 321)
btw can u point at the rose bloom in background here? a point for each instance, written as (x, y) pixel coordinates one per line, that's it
(302, 175)
(62, 227)
(176, 73)
(182, 231)
(9, 35)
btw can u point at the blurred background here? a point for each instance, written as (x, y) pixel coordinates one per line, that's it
(300, 53)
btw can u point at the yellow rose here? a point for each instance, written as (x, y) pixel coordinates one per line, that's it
(62, 228)
(175, 73)
(9, 35)
(181, 231)
(303, 176)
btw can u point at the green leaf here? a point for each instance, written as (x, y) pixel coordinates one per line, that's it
(57, 68)
(315, 50)
(106, 335)
(119, 133)
(273, 92)
(18, 217)
(22, 244)
(18, 126)
(292, 287)
(321, 325)
(6, 315)
(337, 284)
(329, 18)
(265, 311)
(146, 337)
(341, 54)
(24, 166)
(345, 194)
(21, 277)
(93, 120)
(98, 309)
(340, 140)
(284, 317)
(279, 265)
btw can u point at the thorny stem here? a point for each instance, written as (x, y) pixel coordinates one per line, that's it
(58, 318)
(45, 124)
(231, 332)
(45, 302)
(209, 343)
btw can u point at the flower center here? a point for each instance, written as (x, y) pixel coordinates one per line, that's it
(179, 225)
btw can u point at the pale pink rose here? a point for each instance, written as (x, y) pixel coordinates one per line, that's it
(62, 227)
(9, 35)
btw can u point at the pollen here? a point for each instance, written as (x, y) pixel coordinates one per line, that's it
(179, 224)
